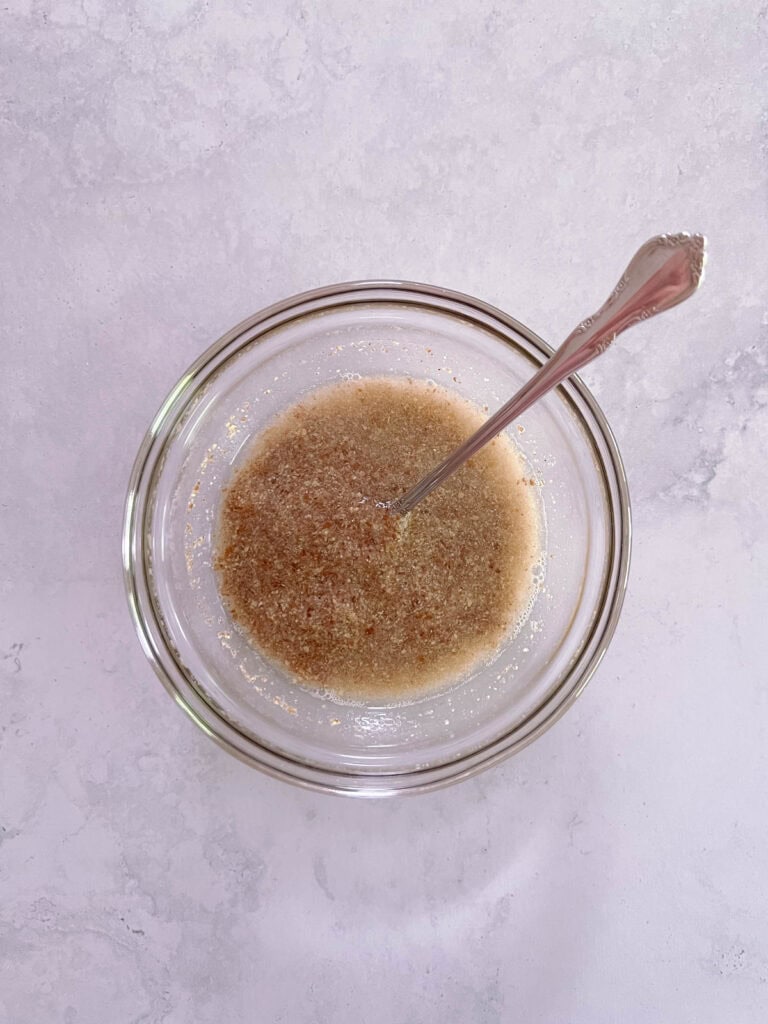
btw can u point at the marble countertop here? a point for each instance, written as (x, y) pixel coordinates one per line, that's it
(168, 167)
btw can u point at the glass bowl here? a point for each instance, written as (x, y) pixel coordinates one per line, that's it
(253, 708)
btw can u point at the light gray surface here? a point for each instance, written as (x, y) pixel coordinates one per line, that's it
(169, 168)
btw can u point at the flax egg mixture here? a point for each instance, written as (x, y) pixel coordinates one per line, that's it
(348, 596)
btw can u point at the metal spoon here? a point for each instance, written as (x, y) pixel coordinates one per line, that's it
(665, 271)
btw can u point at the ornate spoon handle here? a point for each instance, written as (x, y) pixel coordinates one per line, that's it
(665, 271)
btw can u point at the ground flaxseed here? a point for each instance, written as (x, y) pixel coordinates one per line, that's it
(348, 596)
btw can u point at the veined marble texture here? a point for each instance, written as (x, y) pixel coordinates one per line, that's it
(169, 167)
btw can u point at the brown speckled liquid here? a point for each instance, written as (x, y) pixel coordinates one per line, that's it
(349, 597)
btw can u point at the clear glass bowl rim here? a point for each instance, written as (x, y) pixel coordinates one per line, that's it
(137, 571)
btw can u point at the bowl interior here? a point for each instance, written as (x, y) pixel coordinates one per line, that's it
(205, 430)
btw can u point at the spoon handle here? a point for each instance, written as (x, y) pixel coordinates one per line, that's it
(665, 271)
